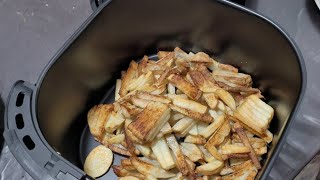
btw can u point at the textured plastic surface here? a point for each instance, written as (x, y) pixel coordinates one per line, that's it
(85, 69)
(20, 134)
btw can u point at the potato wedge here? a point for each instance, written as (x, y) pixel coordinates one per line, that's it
(192, 151)
(200, 57)
(226, 97)
(178, 154)
(128, 178)
(213, 151)
(151, 97)
(218, 137)
(128, 78)
(117, 139)
(141, 103)
(207, 132)
(189, 104)
(98, 161)
(163, 154)
(234, 149)
(144, 150)
(117, 90)
(211, 168)
(149, 169)
(255, 113)
(206, 118)
(201, 82)
(154, 115)
(114, 121)
(121, 172)
(97, 116)
(126, 164)
(206, 154)
(211, 100)
(186, 87)
(195, 140)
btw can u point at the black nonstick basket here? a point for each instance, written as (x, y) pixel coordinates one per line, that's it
(45, 123)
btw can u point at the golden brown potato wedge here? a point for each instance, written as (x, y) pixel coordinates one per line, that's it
(211, 168)
(186, 87)
(255, 113)
(234, 149)
(149, 169)
(126, 164)
(129, 76)
(218, 137)
(151, 97)
(162, 152)
(208, 131)
(206, 118)
(195, 140)
(189, 104)
(192, 151)
(122, 172)
(150, 121)
(178, 154)
(97, 116)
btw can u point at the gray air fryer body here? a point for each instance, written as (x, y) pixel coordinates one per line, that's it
(46, 123)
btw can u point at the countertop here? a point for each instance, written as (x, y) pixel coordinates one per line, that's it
(31, 32)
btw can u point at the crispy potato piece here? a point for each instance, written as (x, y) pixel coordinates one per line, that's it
(141, 82)
(235, 156)
(118, 148)
(189, 104)
(166, 129)
(166, 58)
(141, 103)
(226, 97)
(149, 169)
(150, 121)
(195, 139)
(98, 161)
(194, 130)
(213, 151)
(242, 135)
(142, 65)
(243, 166)
(207, 132)
(117, 139)
(237, 78)
(192, 114)
(186, 87)
(247, 173)
(163, 77)
(114, 121)
(129, 134)
(261, 150)
(211, 100)
(234, 149)
(117, 90)
(206, 154)
(121, 172)
(154, 68)
(255, 113)
(191, 151)
(178, 154)
(128, 78)
(151, 97)
(182, 125)
(211, 168)
(126, 164)
(201, 82)
(179, 53)
(129, 110)
(218, 137)
(163, 154)
(200, 57)
(97, 117)
(162, 54)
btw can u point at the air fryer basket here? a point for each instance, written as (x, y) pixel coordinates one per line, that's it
(46, 127)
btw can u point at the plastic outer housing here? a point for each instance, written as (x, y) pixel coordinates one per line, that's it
(43, 122)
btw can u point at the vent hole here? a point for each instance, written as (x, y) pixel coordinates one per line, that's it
(28, 142)
(19, 121)
(20, 99)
